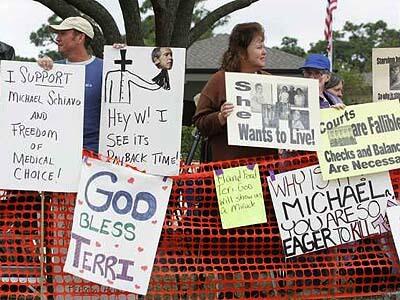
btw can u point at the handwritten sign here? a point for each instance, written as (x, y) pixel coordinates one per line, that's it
(141, 114)
(117, 225)
(273, 111)
(240, 197)
(385, 74)
(362, 139)
(314, 214)
(41, 121)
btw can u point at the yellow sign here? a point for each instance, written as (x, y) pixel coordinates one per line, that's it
(362, 139)
(240, 197)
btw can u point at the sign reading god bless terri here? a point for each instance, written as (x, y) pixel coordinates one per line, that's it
(362, 139)
(273, 111)
(386, 74)
(313, 214)
(41, 123)
(117, 224)
(141, 114)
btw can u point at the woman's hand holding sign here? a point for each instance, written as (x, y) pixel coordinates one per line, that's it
(226, 110)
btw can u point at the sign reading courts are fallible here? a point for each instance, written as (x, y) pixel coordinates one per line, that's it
(41, 126)
(314, 214)
(117, 224)
(362, 139)
(385, 74)
(142, 102)
(273, 111)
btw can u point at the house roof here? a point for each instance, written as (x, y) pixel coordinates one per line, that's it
(207, 54)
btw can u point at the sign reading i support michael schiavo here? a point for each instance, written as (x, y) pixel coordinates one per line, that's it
(41, 126)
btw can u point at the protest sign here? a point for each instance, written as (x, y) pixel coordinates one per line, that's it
(385, 74)
(272, 111)
(117, 224)
(393, 215)
(141, 114)
(314, 214)
(41, 121)
(240, 197)
(362, 139)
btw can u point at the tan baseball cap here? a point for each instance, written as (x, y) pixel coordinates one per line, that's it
(78, 23)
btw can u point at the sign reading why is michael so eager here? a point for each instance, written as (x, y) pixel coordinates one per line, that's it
(314, 214)
(117, 225)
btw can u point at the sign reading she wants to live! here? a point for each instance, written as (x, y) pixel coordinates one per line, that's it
(273, 111)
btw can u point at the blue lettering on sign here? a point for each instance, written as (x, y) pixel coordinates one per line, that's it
(112, 198)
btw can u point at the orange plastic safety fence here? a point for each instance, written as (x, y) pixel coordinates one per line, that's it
(196, 258)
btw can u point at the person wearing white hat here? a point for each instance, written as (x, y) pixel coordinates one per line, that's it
(74, 36)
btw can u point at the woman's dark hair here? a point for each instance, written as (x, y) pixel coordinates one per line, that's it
(333, 81)
(240, 38)
(6, 52)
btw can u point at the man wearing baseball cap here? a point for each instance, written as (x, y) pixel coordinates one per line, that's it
(317, 66)
(74, 36)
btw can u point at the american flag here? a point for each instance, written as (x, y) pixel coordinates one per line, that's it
(332, 5)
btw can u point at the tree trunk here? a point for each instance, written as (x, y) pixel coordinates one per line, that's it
(183, 23)
(133, 25)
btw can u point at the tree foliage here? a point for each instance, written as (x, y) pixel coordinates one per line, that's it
(352, 46)
(177, 23)
(356, 89)
(289, 45)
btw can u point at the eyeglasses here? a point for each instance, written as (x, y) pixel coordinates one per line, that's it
(313, 73)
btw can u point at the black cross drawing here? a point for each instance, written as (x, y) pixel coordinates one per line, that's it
(123, 61)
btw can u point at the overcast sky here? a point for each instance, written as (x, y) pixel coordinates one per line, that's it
(303, 19)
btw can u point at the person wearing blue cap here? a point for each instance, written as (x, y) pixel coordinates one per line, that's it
(317, 66)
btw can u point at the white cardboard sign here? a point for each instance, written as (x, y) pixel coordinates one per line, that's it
(41, 126)
(142, 102)
(314, 214)
(117, 224)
